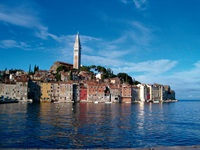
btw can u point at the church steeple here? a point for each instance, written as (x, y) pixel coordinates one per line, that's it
(77, 52)
(77, 43)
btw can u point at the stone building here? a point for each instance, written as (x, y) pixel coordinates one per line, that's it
(58, 64)
(8, 90)
(65, 92)
(115, 93)
(21, 90)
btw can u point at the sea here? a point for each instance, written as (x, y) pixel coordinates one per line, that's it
(89, 125)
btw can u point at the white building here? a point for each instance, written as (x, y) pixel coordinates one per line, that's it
(142, 92)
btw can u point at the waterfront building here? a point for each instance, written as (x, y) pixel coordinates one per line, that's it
(115, 93)
(55, 91)
(83, 92)
(34, 90)
(21, 90)
(77, 53)
(155, 92)
(76, 92)
(1, 89)
(149, 92)
(126, 93)
(135, 93)
(96, 92)
(45, 91)
(142, 92)
(65, 91)
(168, 94)
(8, 90)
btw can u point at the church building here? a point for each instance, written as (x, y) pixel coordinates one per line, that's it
(77, 53)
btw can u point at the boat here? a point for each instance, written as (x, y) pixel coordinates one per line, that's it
(5, 101)
(26, 101)
(55, 102)
(155, 101)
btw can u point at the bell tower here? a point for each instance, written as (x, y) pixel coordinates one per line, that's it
(77, 52)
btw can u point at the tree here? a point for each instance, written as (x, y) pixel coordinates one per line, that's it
(103, 70)
(36, 68)
(136, 82)
(125, 78)
(29, 69)
(58, 76)
(98, 68)
(85, 68)
(61, 68)
(93, 68)
(71, 76)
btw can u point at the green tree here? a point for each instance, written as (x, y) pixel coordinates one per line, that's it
(136, 82)
(58, 76)
(29, 69)
(36, 68)
(71, 76)
(125, 78)
(85, 68)
(103, 70)
(62, 68)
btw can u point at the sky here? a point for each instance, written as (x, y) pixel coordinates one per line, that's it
(154, 41)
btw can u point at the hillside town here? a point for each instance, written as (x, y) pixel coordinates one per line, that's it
(65, 82)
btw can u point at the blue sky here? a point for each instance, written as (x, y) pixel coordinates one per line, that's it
(153, 41)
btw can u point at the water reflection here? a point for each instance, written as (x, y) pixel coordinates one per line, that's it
(88, 125)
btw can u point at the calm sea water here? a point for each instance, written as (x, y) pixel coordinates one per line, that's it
(86, 125)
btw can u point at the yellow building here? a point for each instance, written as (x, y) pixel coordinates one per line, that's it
(45, 91)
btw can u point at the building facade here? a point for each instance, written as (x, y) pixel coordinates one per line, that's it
(45, 91)
(126, 93)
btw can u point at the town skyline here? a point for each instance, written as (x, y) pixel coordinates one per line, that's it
(154, 42)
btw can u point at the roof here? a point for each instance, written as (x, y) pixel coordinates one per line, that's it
(64, 63)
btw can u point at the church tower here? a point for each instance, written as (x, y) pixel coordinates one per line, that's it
(77, 52)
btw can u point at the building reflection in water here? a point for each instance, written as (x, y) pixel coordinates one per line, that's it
(70, 125)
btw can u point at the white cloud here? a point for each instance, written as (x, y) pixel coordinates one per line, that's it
(140, 34)
(99, 60)
(25, 19)
(140, 4)
(185, 83)
(155, 67)
(124, 1)
(18, 19)
(14, 44)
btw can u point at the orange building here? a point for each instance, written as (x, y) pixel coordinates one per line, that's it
(96, 91)
(45, 91)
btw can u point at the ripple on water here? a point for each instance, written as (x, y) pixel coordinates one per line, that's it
(99, 126)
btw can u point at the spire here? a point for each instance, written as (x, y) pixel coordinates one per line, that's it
(77, 44)
(77, 52)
